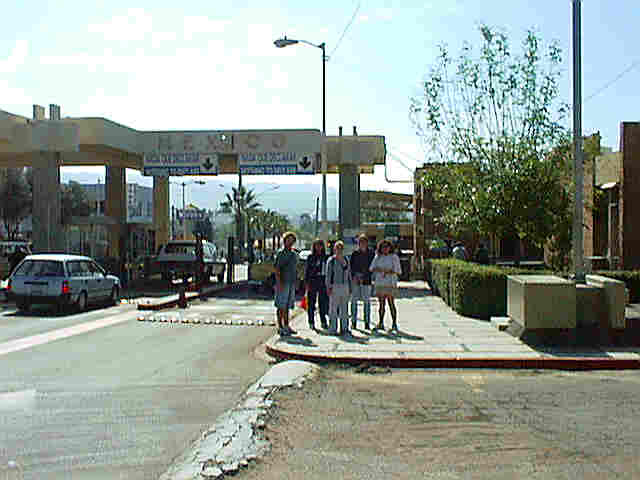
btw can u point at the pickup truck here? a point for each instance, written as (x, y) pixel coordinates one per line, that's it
(178, 259)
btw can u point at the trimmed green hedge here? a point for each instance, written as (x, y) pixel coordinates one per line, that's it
(473, 290)
(480, 291)
(631, 278)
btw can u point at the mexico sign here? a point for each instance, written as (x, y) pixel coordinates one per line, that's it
(257, 152)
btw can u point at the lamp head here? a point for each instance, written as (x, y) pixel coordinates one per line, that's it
(284, 42)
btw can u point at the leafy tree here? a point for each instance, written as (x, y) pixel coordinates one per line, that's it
(75, 202)
(15, 199)
(239, 203)
(496, 125)
(307, 224)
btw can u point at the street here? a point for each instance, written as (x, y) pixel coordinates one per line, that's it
(102, 395)
(362, 423)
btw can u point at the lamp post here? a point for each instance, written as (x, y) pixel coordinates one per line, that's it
(285, 42)
(578, 154)
(184, 203)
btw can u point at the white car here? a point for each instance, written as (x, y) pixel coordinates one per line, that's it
(61, 280)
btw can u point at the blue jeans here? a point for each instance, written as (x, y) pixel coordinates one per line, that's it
(360, 292)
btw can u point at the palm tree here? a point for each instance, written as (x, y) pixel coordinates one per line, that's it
(239, 204)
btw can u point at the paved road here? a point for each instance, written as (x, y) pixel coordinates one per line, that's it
(452, 424)
(103, 395)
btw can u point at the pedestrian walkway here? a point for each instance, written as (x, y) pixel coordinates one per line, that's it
(432, 335)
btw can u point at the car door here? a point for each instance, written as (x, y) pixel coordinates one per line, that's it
(87, 280)
(77, 280)
(99, 281)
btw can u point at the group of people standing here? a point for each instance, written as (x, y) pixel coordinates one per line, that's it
(333, 281)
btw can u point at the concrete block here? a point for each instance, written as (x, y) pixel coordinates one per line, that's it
(541, 301)
(614, 299)
(590, 308)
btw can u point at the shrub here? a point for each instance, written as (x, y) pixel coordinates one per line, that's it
(474, 290)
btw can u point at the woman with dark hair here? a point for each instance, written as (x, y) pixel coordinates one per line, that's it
(314, 281)
(386, 270)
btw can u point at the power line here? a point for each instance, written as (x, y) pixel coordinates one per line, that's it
(353, 17)
(611, 82)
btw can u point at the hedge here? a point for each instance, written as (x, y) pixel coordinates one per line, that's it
(473, 290)
(480, 291)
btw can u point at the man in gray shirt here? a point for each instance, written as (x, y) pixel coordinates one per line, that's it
(286, 276)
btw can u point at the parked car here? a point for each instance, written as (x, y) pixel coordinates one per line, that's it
(178, 259)
(62, 280)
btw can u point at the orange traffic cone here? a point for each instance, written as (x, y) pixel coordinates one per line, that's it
(303, 303)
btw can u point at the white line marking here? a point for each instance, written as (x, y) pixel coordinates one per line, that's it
(41, 339)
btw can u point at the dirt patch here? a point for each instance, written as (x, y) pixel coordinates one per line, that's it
(407, 424)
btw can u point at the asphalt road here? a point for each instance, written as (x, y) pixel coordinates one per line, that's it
(102, 395)
(456, 424)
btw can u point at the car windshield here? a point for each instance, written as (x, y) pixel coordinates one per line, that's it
(40, 268)
(181, 248)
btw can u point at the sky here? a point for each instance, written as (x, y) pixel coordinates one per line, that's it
(201, 65)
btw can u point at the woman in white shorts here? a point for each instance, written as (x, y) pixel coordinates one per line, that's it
(386, 269)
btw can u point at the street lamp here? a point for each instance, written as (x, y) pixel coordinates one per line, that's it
(285, 42)
(184, 204)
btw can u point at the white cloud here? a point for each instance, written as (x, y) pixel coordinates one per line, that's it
(135, 25)
(14, 99)
(376, 15)
(16, 58)
(200, 24)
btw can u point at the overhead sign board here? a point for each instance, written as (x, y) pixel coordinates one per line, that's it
(180, 163)
(261, 152)
(276, 163)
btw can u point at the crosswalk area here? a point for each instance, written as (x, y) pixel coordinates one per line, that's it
(221, 312)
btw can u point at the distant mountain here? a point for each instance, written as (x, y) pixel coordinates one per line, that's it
(288, 199)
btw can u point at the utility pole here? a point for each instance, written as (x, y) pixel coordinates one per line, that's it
(578, 154)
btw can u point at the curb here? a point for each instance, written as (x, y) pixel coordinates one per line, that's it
(237, 437)
(189, 295)
(563, 363)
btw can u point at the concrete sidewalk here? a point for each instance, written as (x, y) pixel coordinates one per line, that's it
(432, 335)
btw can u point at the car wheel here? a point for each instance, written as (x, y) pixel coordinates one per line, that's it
(115, 296)
(81, 304)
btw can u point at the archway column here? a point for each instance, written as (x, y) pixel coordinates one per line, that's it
(46, 217)
(116, 208)
(161, 210)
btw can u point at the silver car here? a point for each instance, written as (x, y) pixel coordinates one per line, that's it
(61, 280)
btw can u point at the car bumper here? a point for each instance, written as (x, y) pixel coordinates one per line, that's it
(40, 299)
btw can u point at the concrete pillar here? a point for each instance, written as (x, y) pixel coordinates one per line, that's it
(349, 197)
(47, 228)
(116, 208)
(161, 210)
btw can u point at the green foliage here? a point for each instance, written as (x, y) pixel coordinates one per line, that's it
(15, 199)
(472, 290)
(239, 203)
(74, 201)
(496, 123)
